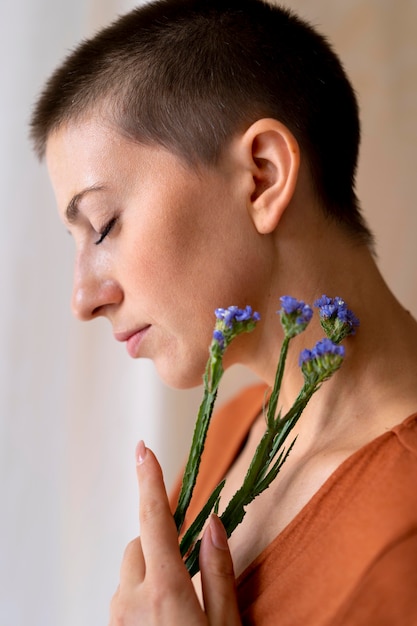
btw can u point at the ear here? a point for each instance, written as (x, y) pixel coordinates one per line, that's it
(273, 155)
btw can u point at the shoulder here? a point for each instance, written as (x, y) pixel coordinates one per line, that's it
(356, 538)
(378, 483)
(406, 434)
(386, 593)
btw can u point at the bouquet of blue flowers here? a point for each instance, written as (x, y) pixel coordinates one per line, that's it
(317, 365)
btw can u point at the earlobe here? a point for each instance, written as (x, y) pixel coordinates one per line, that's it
(274, 157)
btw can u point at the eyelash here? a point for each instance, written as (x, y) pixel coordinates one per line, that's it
(106, 230)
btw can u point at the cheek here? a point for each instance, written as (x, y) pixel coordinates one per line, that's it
(189, 259)
(166, 260)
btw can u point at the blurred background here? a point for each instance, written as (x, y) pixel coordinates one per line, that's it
(72, 405)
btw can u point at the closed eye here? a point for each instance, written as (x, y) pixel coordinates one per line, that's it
(106, 230)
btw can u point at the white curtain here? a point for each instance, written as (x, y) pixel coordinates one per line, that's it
(72, 405)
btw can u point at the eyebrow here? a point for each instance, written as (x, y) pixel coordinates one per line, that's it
(72, 210)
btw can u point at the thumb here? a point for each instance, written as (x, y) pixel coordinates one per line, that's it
(217, 576)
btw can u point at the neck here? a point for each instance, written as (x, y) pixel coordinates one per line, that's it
(375, 386)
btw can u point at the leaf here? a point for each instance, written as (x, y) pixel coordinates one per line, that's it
(194, 530)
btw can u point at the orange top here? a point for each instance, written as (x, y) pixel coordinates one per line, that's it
(350, 555)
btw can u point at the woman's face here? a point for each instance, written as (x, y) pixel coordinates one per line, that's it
(158, 245)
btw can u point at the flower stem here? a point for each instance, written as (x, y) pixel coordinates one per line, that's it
(229, 323)
(273, 401)
(212, 377)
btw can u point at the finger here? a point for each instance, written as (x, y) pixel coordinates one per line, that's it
(132, 570)
(159, 536)
(217, 576)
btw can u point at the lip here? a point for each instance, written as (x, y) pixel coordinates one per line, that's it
(133, 339)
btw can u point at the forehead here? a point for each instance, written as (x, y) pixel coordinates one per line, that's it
(85, 143)
(91, 153)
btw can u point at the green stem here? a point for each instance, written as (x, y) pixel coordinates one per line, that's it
(260, 473)
(194, 459)
(212, 377)
(272, 406)
(196, 527)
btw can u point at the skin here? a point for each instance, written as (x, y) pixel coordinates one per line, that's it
(253, 229)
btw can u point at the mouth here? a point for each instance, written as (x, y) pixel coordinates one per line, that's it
(133, 339)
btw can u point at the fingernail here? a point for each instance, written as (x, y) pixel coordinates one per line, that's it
(140, 452)
(218, 533)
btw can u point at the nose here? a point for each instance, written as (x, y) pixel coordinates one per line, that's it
(93, 294)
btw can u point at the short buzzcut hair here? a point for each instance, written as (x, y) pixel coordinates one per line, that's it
(190, 74)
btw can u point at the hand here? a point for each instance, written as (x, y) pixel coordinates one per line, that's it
(155, 587)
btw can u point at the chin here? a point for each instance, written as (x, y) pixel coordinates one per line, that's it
(175, 381)
(173, 375)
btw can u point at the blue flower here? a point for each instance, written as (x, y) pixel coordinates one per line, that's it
(295, 315)
(346, 315)
(231, 322)
(233, 314)
(336, 319)
(325, 347)
(290, 304)
(323, 301)
(322, 361)
(219, 337)
(305, 355)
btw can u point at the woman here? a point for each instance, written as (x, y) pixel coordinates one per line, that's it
(203, 153)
